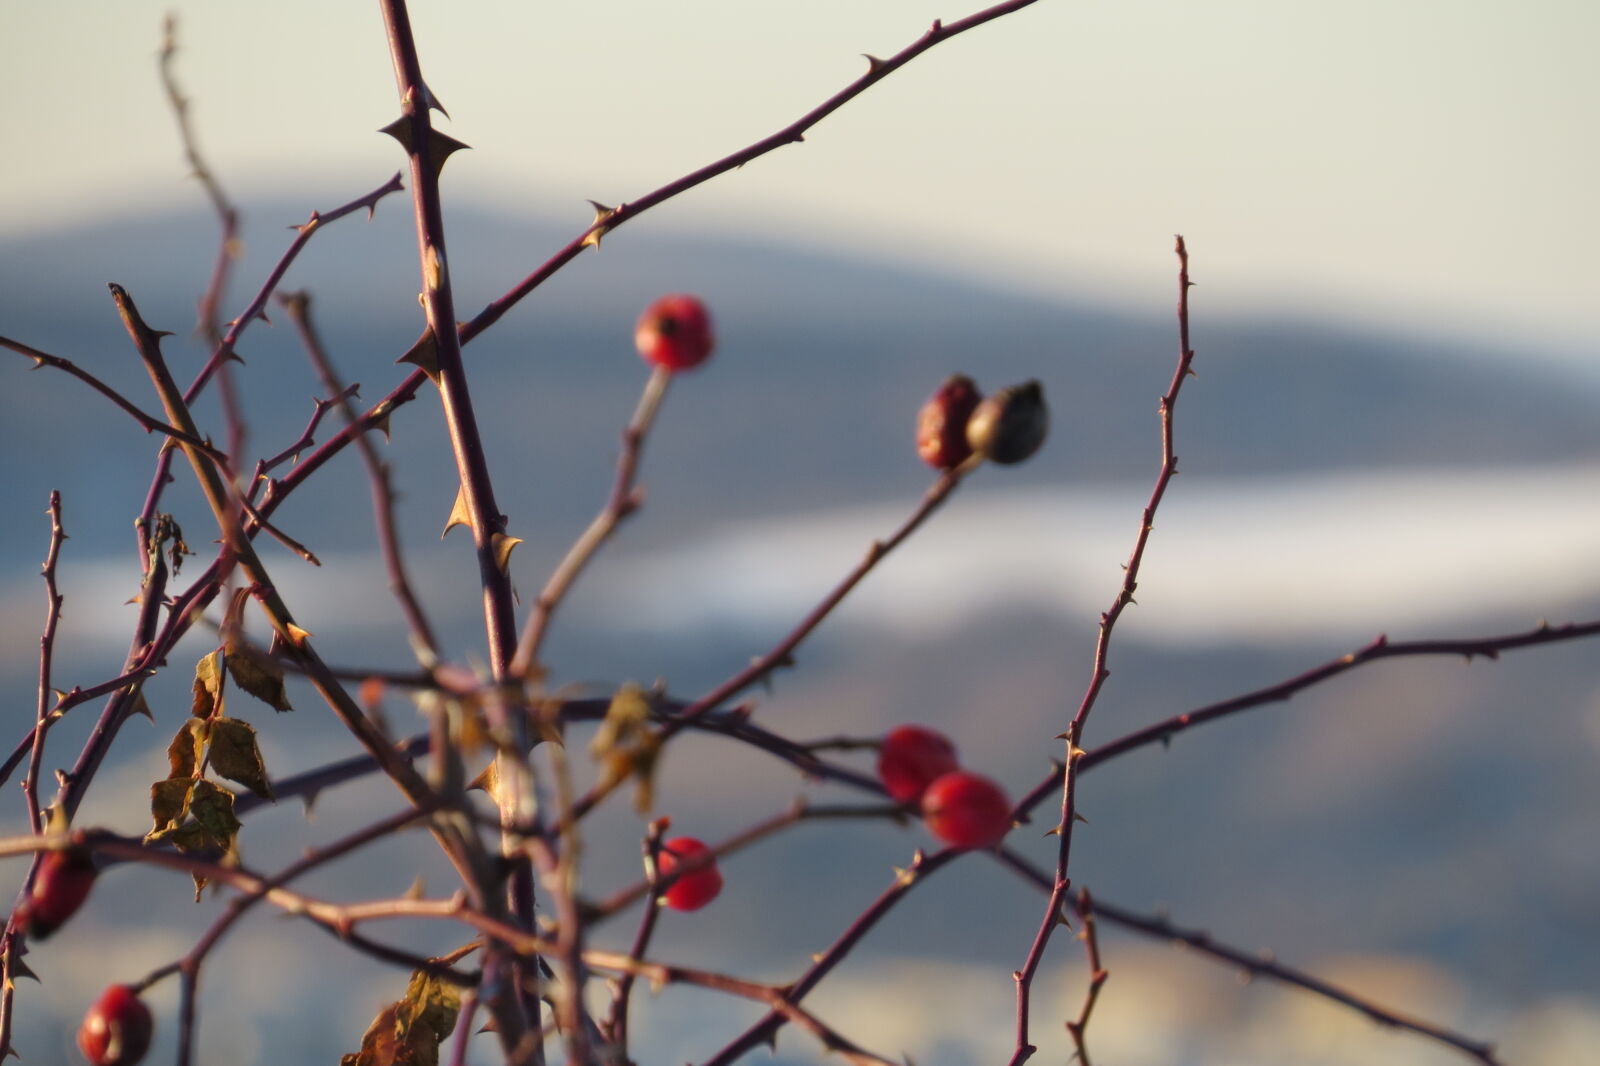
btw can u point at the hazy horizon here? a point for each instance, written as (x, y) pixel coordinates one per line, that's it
(1410, 166)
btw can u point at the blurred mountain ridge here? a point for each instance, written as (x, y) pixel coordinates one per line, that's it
(822, 363)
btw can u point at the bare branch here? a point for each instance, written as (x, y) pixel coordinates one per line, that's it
(1054, 910)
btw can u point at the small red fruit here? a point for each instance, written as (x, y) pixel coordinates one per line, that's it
(117, 1029)
(910, 758)
(942, 423)
(696, 887)
(62, 884)
(966, 810)
(675, 333)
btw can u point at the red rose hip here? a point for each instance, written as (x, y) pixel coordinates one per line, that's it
(674, 333)
(942, 423)
(966, 810)
(696, 887)
(910, 758)
(62, 884)
(117, 1029)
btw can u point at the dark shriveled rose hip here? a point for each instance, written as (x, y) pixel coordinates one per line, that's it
(1009, 426)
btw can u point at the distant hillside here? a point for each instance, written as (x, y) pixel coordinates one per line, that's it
(822, 365)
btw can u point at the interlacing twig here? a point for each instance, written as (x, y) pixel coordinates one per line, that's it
(150, 640)
(189, 966)
(804, 759)
(782, 653)
(523, 957)
(343, 920)
(226, 348)
(462, 847)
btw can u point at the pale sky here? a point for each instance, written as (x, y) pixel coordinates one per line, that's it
(1426, 165)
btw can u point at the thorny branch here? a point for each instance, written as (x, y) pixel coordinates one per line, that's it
(1379, 649)
(1054, 911)
(507, 994)
(226, 348)
(10, 935)
(47, 648)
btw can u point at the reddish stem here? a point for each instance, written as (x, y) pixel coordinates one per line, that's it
(1054, 910)
(508, 997)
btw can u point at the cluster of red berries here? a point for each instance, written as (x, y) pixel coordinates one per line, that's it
(963, 809)
(917, 766)
(958, 422)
